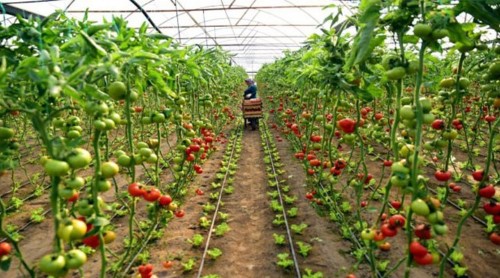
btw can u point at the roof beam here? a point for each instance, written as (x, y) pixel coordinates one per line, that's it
(15, 11)
(204, 9)
(243, 25)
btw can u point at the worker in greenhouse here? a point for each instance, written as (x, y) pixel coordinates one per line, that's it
(251, 93)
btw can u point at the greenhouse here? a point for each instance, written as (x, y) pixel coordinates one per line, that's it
(249, 138)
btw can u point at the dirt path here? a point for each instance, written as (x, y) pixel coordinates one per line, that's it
(248, 249)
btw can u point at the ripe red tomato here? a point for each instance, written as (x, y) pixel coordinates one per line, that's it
(487, 191)
(309, 196)
(340, 164)
(492, 208)
(138, 109)
(194, 148)
(397, 220)
(5, 249)
(457, 188)
(145, 268)
(136, 190)
(438, 124)
(314, 162)
(199, 191)
(423, 231)
(379, 236)
(490, 118)
(424, 260)
(167, 264)
(347, 125)
(442, 176)
(363, 204)
(478, 175)
(387, 163)
(165, 200)
(379, 116)
(179, 213)
(151, 195)
(396, 204)
(91, 241)
(388, 231)
(495, 238)
(417, 249)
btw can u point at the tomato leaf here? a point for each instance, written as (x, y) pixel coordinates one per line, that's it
(100, 222)
(482, 11)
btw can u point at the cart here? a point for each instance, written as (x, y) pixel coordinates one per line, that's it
(252, 110)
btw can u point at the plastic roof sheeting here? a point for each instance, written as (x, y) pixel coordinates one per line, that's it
(255, 31)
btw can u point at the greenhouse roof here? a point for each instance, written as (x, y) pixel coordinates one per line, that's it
(255, 31)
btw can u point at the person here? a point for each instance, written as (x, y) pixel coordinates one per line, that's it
(251, 93)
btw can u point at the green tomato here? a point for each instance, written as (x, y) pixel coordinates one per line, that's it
(115, 117)
(429, 118)
(406, 112)
(464, 82)
(99, 125)
(75, 183)
(368, 234)
(158, 118)
(66, 192)
(52, 264)
(420, 207)
(75, 258)
(395, 73)
(78, 158)
(55, 167)
(117, 90)
(110, 124)
(103, 185)
(447, 82)
(124, 160)
(152, 158)
(109, 169)
(436, 217)
(494, 70)
(141, 145)
(399, 168)
(450, 135)
(440, 33)
(146, 152)
(6, 133)
(426, 104)
(422, 30)
(440, 229)
(84, 207)
(398, 181)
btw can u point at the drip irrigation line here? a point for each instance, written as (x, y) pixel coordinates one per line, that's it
(289, 234)
(223, 184)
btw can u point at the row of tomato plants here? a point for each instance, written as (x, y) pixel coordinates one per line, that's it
(358, 92)
(72, 83)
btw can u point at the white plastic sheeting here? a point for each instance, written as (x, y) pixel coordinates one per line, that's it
(255, 31)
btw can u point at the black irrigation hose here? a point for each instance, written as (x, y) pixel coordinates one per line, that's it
(223, 184)
(288, 232)
(354, 238)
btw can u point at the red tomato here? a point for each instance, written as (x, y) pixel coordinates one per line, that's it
(387, 163)
(136, 190)
(179, 213)
(388, 231)
(478, 175)
(438, 124)
(396, 204)
(151, 195)
(397, 221)
(165, 200)
(487, 191)
(5, 249)
(442, 176)
(347, 125)
(199, 191)
(379, 116)
(167, 264)
(424, 260)
(417, 249)
(91, 241)
(309, 196)
(423, 231)
(495, 238)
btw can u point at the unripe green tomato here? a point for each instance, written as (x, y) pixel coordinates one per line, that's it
(109, 169)
(75, 183)
(66, 192)
(84, 208)
(146, 152)
(115, 117)
(435, 217)
(450, 135)
(420, 207)
(103, 185)
(447, 82)
(146, 120)
(426, 104)
(428, 118)
(52, 264)
(439, 33)
(396, 73)
(99, 125)
(124, 160)
(101, 108)
(399, 181)
(75, 258)
(152, 158)
(78, 158)
(55, 167)
(6, 133)
(422, 30)
(368, 234)
(440, 229)
(138, 159)
(117, 90)
(110, 124)
(464, 82)
(406, 112)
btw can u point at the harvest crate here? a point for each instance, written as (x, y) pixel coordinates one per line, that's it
(252, 108)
